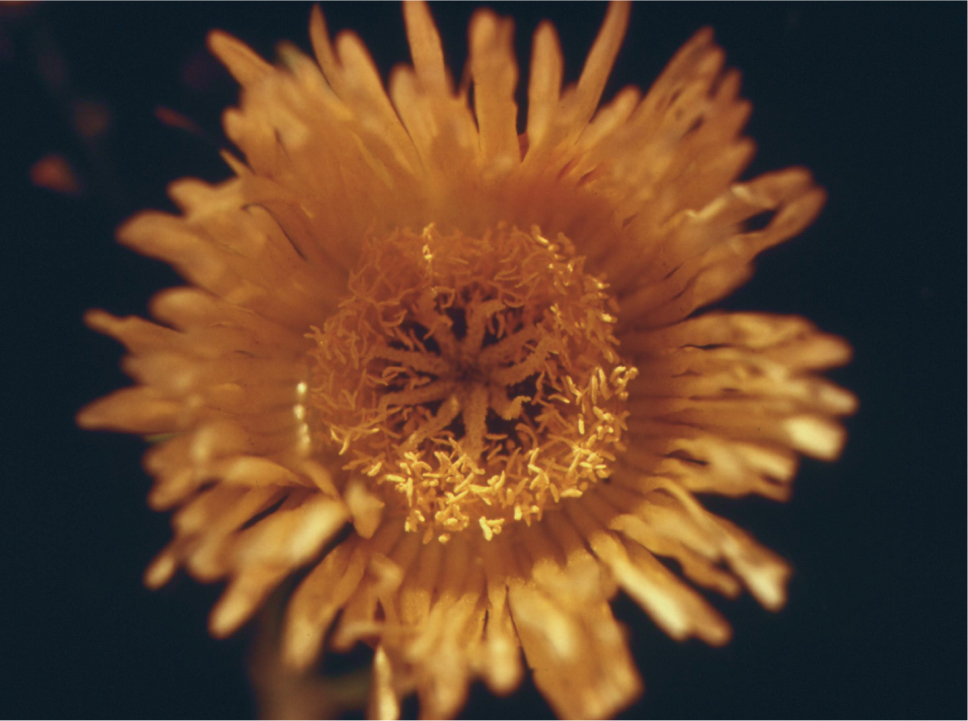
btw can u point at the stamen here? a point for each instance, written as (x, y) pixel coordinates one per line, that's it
(475, 380)
(475, 411)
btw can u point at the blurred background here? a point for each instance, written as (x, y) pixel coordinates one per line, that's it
(101, 105)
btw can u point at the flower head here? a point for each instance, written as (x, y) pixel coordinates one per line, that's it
(480, 349)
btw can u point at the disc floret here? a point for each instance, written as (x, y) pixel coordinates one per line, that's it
(478, 378)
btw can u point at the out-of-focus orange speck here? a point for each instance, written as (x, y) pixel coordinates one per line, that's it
(91, 118)
(175, 119)
(55, 173)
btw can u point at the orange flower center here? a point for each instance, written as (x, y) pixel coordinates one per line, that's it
(475, 380)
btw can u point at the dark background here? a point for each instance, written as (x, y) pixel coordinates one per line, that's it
(871, 97)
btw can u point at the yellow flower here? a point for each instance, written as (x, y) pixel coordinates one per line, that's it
(479, 349)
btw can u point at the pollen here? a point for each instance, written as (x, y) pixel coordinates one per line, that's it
(471, 381)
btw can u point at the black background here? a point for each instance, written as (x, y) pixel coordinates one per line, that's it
(871, 97)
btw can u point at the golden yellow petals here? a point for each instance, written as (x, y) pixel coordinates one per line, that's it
(459, 375)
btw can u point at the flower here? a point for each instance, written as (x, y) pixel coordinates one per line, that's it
(479, 350)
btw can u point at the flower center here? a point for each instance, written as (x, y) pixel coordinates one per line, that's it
(475, 380)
